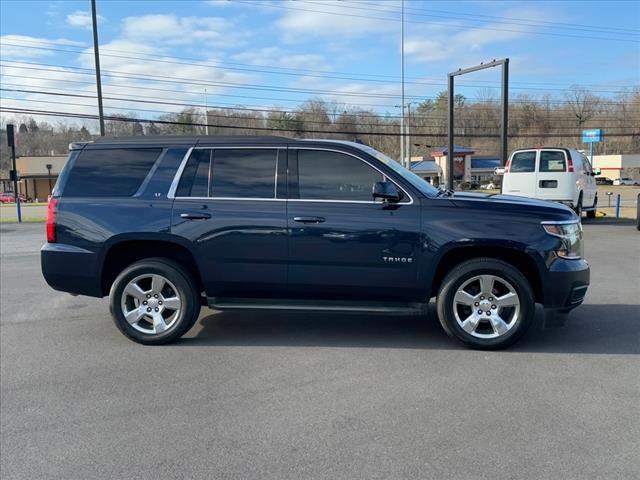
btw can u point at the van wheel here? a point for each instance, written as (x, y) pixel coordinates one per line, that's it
(592, 213)
(486, 304)
(154, 301)
(578, 208)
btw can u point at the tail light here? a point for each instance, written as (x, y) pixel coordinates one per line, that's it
(51, 220)
(570, 164)
(506, 167)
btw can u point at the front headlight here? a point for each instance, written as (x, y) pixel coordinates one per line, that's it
(571, 235)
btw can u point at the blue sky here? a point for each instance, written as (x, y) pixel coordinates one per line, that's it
(266, 53)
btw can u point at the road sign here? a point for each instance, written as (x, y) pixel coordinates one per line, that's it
(592, 136)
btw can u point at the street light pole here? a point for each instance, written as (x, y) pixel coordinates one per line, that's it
(96, 53)
(402, 138)
(206, 114)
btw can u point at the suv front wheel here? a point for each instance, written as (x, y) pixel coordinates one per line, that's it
(154, 301)
(485, 304)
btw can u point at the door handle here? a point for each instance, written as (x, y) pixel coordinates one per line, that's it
(308, 219)
(195, 216)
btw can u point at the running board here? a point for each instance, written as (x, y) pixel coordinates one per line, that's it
(398, 308)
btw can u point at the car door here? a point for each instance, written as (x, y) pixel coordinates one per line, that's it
(230, 207)
(342, 243)
(553, 182)
(520, 179)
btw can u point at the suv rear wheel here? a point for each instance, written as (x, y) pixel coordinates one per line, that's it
(154, 301)
(485, 304)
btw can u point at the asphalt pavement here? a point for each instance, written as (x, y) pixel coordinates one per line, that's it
(317, 396)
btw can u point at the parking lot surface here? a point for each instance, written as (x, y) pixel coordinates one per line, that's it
(292, 396)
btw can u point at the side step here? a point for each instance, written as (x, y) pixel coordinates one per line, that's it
(398, 308)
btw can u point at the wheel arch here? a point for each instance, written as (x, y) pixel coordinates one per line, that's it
(123, 251)
(518, 258)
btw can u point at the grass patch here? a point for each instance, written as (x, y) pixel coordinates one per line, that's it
(24, 220)
(24, 205)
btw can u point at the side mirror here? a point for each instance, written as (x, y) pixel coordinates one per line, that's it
(387, 191)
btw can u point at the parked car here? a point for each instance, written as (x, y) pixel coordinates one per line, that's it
(625, 181)
(175, 223)
(488, 186)
(603, 181)
(559, 174)
(9, 197)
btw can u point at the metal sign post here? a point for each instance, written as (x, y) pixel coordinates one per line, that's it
(592, 136)
(11, 141)
(505, 112)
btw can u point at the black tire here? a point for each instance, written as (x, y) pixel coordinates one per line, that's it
(578, 208)
(185, 289)
(485, 266)
(592, 213)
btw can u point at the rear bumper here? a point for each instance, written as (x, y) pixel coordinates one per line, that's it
(566, 284)
(70, 269)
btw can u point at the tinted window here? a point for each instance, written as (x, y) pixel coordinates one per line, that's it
(244, 173)
(552, 161)
(195, 177)
(112, 172)
(326, 175)
(523, 162)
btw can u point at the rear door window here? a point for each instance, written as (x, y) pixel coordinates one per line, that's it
(244, 173)
(109, 172)
(552, 161)
(523, 162)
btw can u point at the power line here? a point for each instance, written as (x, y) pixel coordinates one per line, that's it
(448, 25)
(203, 83)
(512, 21)
(355, 133)
(232, 117)
(355, 77)
(134, 99)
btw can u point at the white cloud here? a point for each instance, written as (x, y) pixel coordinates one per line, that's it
(26, 47)
(337, 20)
(448, 41)
(277, 57)
(171, 30)
(82, 19)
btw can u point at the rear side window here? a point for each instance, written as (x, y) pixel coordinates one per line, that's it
(110, 172)
(523, 162)
(324, 175)
(244, 173)
(196, 176)
(552, 161)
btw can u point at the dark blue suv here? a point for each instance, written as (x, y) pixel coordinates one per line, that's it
(164, 225)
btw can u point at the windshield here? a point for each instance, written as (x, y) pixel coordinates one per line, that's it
(419, 183)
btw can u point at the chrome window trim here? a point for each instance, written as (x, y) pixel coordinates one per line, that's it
(256, 199)
(410, 202)
(183, 164)
(176, 179)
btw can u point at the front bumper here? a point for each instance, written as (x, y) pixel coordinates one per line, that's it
(566, 284)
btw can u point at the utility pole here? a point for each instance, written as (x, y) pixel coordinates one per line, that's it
(11, 142)
(206, 114)
(96, 53)
(408, 128)
(402, 138)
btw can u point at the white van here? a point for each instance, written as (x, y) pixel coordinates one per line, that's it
(558, 174)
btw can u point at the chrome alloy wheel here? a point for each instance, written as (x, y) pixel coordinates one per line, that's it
(151, 304)
(486, 306)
